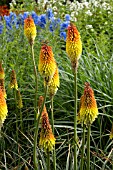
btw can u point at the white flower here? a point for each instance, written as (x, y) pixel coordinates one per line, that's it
(89, 13)
(86, 4)
(89, 26)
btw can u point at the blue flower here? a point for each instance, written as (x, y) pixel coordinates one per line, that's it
(43, 18)
(8, 22)
(58, 20)
(54, 24)
(51, 28)
(20, 20)
(63, 35)
(25, 15)
(49, 14)
(12, 16)
(41, 21)
(1, 28)
(67, 17)
(35, 17)
(64, 25)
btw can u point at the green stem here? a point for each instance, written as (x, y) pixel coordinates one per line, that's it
(21, 120)
(15, 98)
(36, 132)
(36, 82)
(48, 160)
(52, 122)
(82, 154)
(75, 121)
(88, 147)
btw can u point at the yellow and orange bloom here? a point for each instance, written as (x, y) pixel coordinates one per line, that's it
(73, 45)
(47, 63)
(2, 76)
(88, 106)
(19, 99)
(3, 108)
(47, 139)
(30, 29)
(13, 81)
(4, 10)
(54, 83)
(111, 133)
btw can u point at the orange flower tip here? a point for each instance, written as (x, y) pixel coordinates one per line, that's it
(73, 45)
(47, 63)
(41, 99)
(30, 29)
(3, 107)
(13, 81)
(88, 106)
(40, 102)
(47, 139)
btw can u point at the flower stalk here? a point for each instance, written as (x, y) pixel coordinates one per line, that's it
(74, 51)
(52, 123)
(48, 160)
(36, 131)
(82, 153)
(88, 147)
(36, 81)
(75, 120)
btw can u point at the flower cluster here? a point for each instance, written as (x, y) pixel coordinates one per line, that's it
(3, 108)
(14, 20)
(73, 45)
(14, 85)
(48, 69)
(4, 10)
(3, 105)
(47, 139)
(13, 81)
(88, 107)
(30, 29)
(2, 76)
(47, 63)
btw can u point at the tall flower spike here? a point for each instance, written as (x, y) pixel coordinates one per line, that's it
(47, 139)
(3, 108)
(2, 75)
(13, 81)
(88, 107)
(111, 133)
(54, 83)
(30, 29)
(19, 99)
(47, 64)
(73, 45)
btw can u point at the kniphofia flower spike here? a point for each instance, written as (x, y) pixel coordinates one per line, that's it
(73, 45)
(3, 108)
(47, 63)
(54, 83)
(47, 139)
(2, 76)
(88, 106)
(19, 99)
(13, 81)
(30, 29)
